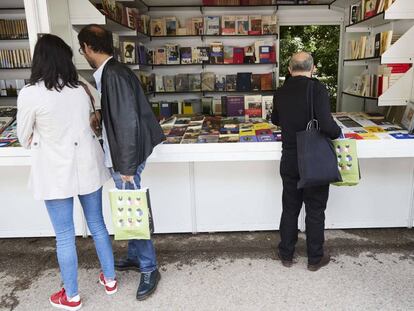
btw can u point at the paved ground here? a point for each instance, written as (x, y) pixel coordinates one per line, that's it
(371, 270)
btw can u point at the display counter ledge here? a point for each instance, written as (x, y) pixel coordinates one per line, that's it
(367, 149)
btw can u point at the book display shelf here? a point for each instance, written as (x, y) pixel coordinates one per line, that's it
(378, 36)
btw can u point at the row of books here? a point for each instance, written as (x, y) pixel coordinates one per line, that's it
(11, 87)
(216, 53)
(183, 129)
(365, 126)
(17, 58)
(242, 25)
(209, 81)
(368, 8)
(374, 85)
(252, 106)
(13, 29)
(8, 135)
(239, 2)
(128, 16)
(371, 46)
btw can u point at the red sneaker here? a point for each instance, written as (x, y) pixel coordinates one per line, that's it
(61, 301)
(110, 287)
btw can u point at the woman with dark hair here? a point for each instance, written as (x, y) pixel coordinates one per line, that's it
(67, 161)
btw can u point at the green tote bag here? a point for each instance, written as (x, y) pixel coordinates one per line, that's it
(131, 213)
(348, 165)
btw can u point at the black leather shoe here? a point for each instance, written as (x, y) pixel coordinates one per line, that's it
(125, 264)
(286, 263)
(148, 284)
(322, 263)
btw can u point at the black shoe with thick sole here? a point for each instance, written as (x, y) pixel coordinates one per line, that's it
(126, 264)
(322, 263)
(285, 262)
(148, 284)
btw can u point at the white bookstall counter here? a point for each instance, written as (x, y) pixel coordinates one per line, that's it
(228, 187)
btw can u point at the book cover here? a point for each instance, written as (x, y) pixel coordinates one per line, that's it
(377, 47)
(266, 81)
(408, 117)
(231, 83)
(402, 136)
(160, 56)
(353, 136)
(128, 52)
(186, 55)
(266, 138)
(155, 106)
(264, 54)
(217, 53)
(187, 107)
(181, 82)
(159, 83)
(207, 105)
(171, 26)
(173, 55)
(217, 106)
(208, 82)
(224, 106)
(194, 82)
(172, 140)
(175, 107)
(249, 55)
(255, 25)
(248, 139)
(269, 25)
(256, 82)
(196, 55)
(228, 26)
(157, 27)
(117, 47)
(197, 26)
(244, 81)
(253, 106)
(229, 138)
(212, 25)
(208, 139)
(386, 38)
(228, 54)
(204, 54)
(370, 8)
(238, 55)
(235, 106)
(267, 106)
(220, 84)
(169, 83)
(165, 110)
(242, 25)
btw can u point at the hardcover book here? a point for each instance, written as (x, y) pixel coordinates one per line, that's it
(231, 83)
(197, 26)
(235, 106)
(220, 84)
(238, 55)
(165, 110)
(242, 25)
(269, 25)
(160, 56)
(181, 82)
(169, 83)
(129, 52)
(159, 83)
(158, 27)
(212, 25)
(253, 105)
(217, 53)
(255, 24)
(256, 82)
(267, 106)
(228, 54)
(264, 54)
(266, 81)
(248, 139)
(249, 55)
(196, 55)
(208, 81)
(173, 55)
(186, 55)
(228, 25)
(204, 54)
(244, 81)
(194, 82)
(171, 26)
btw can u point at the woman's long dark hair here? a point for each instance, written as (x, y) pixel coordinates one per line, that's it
(52, 64)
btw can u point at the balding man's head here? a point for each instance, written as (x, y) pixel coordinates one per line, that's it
(96, 38)
(301, 62)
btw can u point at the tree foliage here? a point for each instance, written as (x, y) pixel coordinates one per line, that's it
(322, 41)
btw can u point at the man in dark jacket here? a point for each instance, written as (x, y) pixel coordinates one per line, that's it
(130, 132)
(292, 112)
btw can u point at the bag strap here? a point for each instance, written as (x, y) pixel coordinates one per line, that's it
(88, 91)
(313, 123)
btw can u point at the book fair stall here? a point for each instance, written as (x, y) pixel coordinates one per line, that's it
(210, 69)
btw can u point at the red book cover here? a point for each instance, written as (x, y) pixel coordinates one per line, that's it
(244, 2)
(264, 132)
(399, 68)
(266, 81)
(238, 55)
(353, 136)
(380, 84)
(273, 54)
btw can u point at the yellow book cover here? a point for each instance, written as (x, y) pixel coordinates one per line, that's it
(247, 132)
(261, 126)
(374, 129)
(369, 136)
(187, 108)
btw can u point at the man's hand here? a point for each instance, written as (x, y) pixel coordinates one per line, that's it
(126, 179)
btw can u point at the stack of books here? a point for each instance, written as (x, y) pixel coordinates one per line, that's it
(8, 135)
(18, 58)
(13, 29)
(183, 129)
(371, 46)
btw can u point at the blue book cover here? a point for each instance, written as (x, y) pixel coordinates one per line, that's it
(248, 139)
(402, 136)
(266, 138)
(165, 110)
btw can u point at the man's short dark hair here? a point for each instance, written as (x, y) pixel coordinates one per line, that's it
(97, 38)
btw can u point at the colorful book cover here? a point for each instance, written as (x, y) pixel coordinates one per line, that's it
(266, 138)
(353, 136)
(242, 25)
(212, 25)
(171, 26)
(196, 55)
(217, 53)
(228, 25)
(228, 55)
(173, 54)
(253, 105)
(160, 56)
(374, 129)
(165, 110)
(255, 25)
(238, 55)
(264, 56)
(128, 52)
(369, 136)
(220, 82)
(402, 136)
(266, 81)
(235, 106)
(248, 139)
(186, 55)
(269, 25)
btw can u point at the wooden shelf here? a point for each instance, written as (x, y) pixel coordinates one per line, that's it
(359, 96)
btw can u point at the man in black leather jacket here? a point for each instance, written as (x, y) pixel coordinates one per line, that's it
(130, 131)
